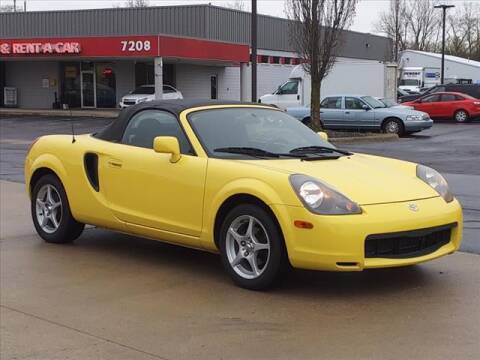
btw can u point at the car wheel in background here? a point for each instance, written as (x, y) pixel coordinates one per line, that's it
(51, 212)
(393, 126)
(306, 121)
(461, 116)
(252, 247)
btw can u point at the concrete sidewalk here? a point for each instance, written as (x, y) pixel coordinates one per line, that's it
(112, 296)
(95, 113)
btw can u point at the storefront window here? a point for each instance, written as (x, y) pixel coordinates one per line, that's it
(71, 85)
(106, 95)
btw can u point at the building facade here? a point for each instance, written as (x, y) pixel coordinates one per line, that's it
(91, 58)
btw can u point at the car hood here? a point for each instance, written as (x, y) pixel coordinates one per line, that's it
(139, 96)
(365, 179)
(400, 111)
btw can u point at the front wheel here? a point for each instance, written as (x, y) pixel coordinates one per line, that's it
(393, 126)
(51, 212)
(252, 247)
(461, 116)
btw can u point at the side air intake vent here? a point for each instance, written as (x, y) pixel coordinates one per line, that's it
(91, 168)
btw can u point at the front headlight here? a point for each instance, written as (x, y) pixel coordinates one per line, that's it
(414, 117)
(436, 181)
(321, 198)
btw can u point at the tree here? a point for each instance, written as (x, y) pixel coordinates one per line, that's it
(137, 3)
(317, 32)
(393, 23)
(424, 23)
(236, 5)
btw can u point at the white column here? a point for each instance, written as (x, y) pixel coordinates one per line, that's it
(245, 82)
(158, 71)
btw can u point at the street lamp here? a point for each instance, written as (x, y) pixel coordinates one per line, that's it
(253, 46)
(444, 8)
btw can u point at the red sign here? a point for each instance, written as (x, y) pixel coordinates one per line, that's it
(125, 46)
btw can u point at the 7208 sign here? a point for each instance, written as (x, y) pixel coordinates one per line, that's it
(136, 45)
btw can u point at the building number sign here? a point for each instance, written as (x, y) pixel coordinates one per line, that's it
(136, 46)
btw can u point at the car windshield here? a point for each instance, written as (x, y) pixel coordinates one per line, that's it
(374, 103)
(409, 82)
(388, 102)
(144, 90)
(256, 132)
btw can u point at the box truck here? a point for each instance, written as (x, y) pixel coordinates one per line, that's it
(347, 76)
(416, 78)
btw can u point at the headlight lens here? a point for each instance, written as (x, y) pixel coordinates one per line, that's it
(321, 198)
(414, 117)
(436, 181)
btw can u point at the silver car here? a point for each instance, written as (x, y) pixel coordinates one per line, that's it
(360, 112)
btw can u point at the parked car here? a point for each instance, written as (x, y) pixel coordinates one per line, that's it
(448, 105)
(360, 112)
(389, 103)
(147, 93)
(469, 89)
(244, 180)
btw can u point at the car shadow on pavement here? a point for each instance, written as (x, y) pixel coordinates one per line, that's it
(195, 265)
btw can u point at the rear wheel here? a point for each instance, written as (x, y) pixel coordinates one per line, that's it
(252, 247)
(51, 212)
(393, 126)
(461, 116)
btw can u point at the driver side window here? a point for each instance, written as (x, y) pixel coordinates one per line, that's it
(431, 98)
(289, 88)
(146, 125)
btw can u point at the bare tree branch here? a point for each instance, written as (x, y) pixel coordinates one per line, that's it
(317, 33)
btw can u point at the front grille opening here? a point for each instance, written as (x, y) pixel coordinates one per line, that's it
(347, 264)
(409, 243)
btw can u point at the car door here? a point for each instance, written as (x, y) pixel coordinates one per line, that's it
(448, 105)
(331, 112)
(144, 188)
(288, 94)
(428, 104)
(356, 115)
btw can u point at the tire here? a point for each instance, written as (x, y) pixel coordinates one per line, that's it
(51, 213)
(461, 116)
(306, 121)
(241, 253)
(393, 126)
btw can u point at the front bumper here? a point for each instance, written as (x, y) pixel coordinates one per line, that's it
(337, 243)
(418, 125)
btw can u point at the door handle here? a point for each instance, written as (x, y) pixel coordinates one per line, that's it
(298, 97)
(115, 163)
(347, 112)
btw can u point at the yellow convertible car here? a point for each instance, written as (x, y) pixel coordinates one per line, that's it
(247, 181)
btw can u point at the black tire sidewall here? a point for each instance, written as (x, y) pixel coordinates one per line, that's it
(278, 257)
(69, 229)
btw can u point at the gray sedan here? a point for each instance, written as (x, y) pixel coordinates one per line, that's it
(357, 112)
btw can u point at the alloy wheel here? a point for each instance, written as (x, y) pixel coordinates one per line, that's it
(48, 205)
(461, 116)
(392, 127)
(248, 247)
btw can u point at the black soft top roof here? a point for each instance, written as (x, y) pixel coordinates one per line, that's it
(115, 130)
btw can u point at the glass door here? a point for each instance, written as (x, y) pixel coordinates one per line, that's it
(88, 94)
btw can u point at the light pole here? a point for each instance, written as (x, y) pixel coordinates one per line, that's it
(254, 50)
(444, 8)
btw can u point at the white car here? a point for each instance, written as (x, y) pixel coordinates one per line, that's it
(147, 93)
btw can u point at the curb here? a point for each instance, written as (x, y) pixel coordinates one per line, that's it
(365, 139)
(61, 113)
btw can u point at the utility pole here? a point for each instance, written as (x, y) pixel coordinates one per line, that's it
(254, 50)
(15, 5)
(444, 8)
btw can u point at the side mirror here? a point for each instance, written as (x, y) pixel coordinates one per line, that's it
(167, 145)
(365, 107)
(323, 135)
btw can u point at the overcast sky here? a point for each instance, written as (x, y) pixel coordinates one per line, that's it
(367, 10)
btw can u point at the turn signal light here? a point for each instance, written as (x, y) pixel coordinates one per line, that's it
(303, 224)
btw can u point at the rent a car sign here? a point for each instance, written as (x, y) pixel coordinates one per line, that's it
(40, 48)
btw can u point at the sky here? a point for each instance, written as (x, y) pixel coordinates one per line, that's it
(368, 11)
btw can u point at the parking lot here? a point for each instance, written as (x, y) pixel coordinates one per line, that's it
(113, 296)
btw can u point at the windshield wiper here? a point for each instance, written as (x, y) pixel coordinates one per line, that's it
(255, 152)
(318, 149)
